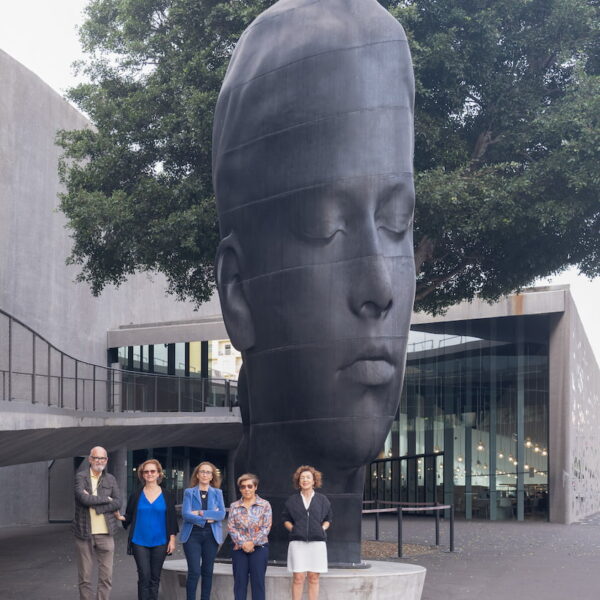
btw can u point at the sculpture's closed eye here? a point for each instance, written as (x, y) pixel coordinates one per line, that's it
(395, 214)
(318, 222)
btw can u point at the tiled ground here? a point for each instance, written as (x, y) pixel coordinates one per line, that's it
(493, 561)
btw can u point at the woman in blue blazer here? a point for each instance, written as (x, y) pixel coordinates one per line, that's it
(202, 512)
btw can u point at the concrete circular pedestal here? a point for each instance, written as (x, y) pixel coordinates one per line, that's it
(382, 581)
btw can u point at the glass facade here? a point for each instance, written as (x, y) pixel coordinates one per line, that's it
(472, 427)
(178, 359)
(177, 463)
(207, 359)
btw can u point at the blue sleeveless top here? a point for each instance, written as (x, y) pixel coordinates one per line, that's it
(150, 522)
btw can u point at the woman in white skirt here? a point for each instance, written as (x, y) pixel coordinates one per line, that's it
(307, 516)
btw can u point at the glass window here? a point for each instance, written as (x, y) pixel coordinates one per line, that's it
(180, 359)
(195, 362)
(161, 358)
(476, 395)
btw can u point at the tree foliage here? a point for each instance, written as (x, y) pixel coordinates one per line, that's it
(506, 157)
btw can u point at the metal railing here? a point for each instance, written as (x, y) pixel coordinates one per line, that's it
(149, 392)
(420, 507)
(33, 370)
(412, 478)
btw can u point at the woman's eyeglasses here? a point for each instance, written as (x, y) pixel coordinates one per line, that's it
(246, 486)
(149, 471)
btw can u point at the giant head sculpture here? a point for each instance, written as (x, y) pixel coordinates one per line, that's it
(312, 170)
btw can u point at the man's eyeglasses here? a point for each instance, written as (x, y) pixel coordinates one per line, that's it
(99, 458)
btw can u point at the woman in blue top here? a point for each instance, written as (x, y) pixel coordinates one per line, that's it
(201, 533)
(151, 514)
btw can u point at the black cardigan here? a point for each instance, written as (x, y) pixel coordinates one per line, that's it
(131, 513)
(308, 524)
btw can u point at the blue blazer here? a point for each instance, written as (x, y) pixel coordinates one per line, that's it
(215, 511)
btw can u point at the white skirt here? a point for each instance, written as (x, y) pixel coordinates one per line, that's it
(306, 557)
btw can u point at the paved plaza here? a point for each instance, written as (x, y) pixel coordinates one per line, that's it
(494, 561)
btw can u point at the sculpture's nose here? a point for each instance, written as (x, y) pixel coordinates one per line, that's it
(371, 292)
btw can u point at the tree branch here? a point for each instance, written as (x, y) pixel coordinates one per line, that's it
(423, 252)
(435, 283)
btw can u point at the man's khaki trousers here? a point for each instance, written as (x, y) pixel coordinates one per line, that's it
(97, 549)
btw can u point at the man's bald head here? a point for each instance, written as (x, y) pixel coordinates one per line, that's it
(98, 458)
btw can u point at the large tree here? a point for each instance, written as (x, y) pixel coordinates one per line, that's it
(506, 158)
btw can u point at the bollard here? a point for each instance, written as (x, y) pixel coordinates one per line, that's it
(437, 527)
(452, 528)
(399, 532)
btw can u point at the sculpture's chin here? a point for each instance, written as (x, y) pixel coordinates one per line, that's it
(347, 443)
(336, 447)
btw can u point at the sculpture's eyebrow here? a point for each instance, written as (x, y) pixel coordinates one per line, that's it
(399, 189)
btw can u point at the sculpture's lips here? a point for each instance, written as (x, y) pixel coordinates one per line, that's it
(373, 368)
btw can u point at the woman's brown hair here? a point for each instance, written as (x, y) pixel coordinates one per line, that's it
(150, 461)
(216, 478)
(317, 476)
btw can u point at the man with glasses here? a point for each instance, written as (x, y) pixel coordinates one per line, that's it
(97, 497)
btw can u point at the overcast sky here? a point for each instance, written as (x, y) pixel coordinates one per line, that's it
(42, 35)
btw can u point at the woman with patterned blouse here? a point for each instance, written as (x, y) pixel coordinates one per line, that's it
(249, 523)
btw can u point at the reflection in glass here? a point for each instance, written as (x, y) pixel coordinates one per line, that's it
(180, 359)
(161, 358)
(477, 392)
(195, 363)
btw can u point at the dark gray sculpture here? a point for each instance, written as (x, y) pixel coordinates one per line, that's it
(312, 169)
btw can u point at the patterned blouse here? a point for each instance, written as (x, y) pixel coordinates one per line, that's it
(251, 525)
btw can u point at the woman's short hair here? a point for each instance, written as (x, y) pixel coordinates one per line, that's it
(216, 476)
(247, 476)
(150, 461)
(317, 476)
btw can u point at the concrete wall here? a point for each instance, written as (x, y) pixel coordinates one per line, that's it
(559, 417)
(36, 493)
(37, 287)
(35, 284)
(61, 482)
(574, 450)
(24, 494)
(582, 477)
(534, 301)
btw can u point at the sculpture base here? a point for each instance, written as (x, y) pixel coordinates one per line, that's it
(382, 581)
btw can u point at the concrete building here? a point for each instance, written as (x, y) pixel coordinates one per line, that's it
(54, 402)
(499, 414)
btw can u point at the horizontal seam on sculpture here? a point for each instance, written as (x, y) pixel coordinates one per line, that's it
(326, 345)
(404, 257)
(337, 115)
(275, 15)
(318, 54)
(313, 186)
